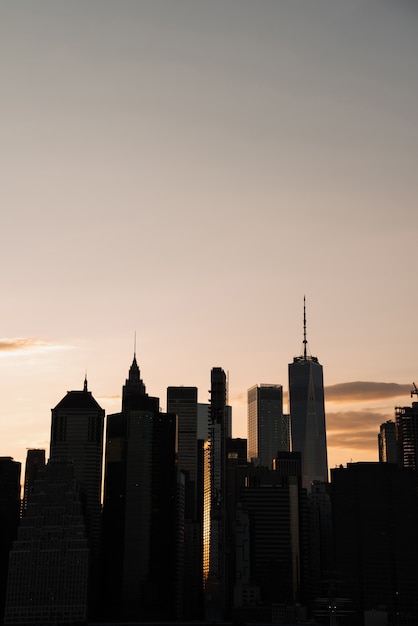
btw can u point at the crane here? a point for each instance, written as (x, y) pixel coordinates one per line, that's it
(414, 391)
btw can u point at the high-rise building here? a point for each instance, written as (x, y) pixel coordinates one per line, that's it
(182, 402)
(271, 563)
(215, 549)
(141, 519)
(77, 436)
(307, 414)
(49, 561)
(268, 431)
(406, 419)
(375, 519)
(387, 443)
(35, 462)
(9, 516)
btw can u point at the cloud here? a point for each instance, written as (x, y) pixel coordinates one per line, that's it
(15, 345)
(365, 390)
(355, 429)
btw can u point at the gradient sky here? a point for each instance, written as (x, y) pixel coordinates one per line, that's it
(188, 170)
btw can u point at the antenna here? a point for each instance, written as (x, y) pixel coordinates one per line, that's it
(135, 344)
(85, 381)
(305, 341)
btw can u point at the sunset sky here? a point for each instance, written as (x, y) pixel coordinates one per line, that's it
(186, 171)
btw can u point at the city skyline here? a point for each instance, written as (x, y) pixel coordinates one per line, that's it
(188, 171)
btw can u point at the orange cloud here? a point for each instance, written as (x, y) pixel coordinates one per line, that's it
(365, 390)
(355, 429)
(14, 345)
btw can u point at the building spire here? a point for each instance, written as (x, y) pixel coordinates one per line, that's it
(305, 341)
(85, 381)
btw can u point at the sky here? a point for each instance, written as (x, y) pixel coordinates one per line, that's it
(176, 175)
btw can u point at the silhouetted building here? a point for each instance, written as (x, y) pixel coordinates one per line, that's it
(406, 418)
(141, 516)
(387, 443)
(182, 401)
(77, 435)
(35, 462)
(271, 542)
(375, 519)
(307, 414)
(49, 562)
(215, 549)
(321, 561)
(268, 428)
(9, 516)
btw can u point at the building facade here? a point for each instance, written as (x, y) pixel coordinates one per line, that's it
(268, 429)
(307, 415)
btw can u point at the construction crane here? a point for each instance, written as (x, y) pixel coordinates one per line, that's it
(414, 391)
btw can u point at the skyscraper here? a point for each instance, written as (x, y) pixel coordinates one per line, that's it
(215, 531)
(307, 414)
(406, 418)
(77, 436)
(387, 443)
(35, 462)
(49, 562)
(182, 402)
(140, 528)
(9, 516)
(268, 431)
(375, 517)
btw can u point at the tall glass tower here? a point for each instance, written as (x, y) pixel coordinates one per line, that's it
(307, 414)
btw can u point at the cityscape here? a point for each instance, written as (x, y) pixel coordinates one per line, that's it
(145, 516)
(177, 175)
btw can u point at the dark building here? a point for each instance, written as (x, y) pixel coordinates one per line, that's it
(271, 542)
(9, 516)
(182, 402)
(77, 436)
(375, 519)
(406, 419)
(387, 443)
(214, 532)
(141, 516)
(307, 414)
(35, 462)
(268, 427)
(49, 561)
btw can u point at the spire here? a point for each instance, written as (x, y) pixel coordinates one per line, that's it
(305, 353)
(85, 382)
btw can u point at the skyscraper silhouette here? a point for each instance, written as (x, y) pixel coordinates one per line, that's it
(35, 462)
(307, 414)
(140, 529)
(49, 562)
(77, 436)
(214, 538)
